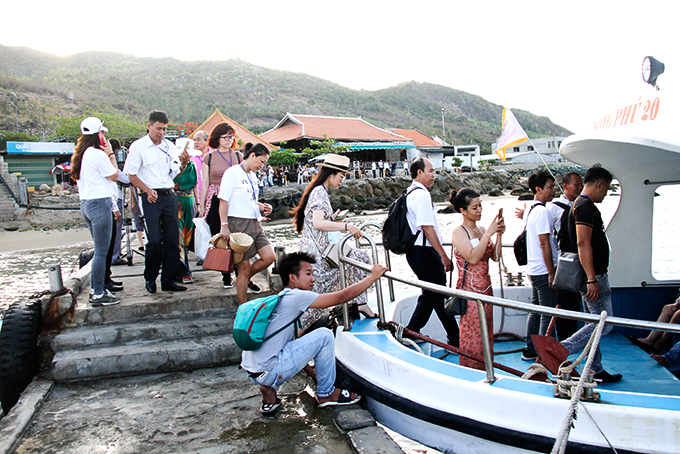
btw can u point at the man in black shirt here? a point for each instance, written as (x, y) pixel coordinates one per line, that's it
(587, 232)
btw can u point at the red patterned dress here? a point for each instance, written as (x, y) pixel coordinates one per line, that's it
(477, 280)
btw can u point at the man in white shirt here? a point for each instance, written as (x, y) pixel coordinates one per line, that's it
(282, 356)
(572, 184)
(427, 257)
(541, 256)
(151, 165)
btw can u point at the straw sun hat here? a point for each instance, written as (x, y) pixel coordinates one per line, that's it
(337, 162)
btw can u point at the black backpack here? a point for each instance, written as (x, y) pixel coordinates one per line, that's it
(520, 244)
(563, 239)
(396, 233)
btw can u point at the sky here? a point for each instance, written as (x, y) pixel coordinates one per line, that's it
(570, 61)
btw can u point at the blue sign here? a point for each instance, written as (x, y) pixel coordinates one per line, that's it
(49, 148)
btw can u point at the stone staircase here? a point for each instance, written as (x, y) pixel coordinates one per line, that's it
(7, 203)
(148, 334)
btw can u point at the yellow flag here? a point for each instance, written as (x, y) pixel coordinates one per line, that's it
(512, 133)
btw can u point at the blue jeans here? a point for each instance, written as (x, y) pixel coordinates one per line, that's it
(318, 345)
(97, 216)
(543, 295)
(580, 338)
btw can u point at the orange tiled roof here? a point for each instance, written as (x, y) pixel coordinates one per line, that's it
(293, 127)
(420, 139)
(241, 132)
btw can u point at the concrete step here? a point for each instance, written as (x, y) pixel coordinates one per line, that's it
(186, 327)
(144, 357)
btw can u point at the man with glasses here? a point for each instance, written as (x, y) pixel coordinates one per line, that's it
(151, 165)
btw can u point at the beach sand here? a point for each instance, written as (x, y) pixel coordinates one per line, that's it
(38, 239)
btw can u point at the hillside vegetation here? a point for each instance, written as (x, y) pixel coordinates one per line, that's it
(37, 88)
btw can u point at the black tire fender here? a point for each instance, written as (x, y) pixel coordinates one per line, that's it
(296, 199)
(275, 203)
(18, 350)
(287, 199)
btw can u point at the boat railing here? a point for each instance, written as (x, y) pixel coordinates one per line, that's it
(496, 301)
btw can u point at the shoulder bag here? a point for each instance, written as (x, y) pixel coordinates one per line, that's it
(569, 274)
(456, 305)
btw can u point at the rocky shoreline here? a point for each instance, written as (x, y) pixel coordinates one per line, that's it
(61, 210)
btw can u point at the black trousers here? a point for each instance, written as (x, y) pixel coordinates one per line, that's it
(428, 266)
(162, 225)
(112, 245)
(572, 302)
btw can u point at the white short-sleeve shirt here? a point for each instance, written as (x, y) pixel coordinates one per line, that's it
(94, 169)
(155, 165)
(421, 212)
(240, 190)
(538, 221)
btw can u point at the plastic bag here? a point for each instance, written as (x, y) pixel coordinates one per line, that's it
(201, 237)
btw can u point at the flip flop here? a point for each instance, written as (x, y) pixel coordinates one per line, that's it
(345, 398)
(638, 343)
(270, 409)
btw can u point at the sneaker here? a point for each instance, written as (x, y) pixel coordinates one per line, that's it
(270, 409)
(254, 287)
(107, 299)
(187, 280)
(528, 355)
(226, 281)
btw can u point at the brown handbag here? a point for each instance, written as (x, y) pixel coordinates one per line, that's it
(219, 259)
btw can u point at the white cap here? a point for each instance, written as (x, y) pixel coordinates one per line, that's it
(92, 125)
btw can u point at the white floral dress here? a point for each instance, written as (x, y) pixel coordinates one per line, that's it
(327, 278)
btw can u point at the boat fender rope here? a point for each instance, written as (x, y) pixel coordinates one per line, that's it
(534, 369)
(399, 336)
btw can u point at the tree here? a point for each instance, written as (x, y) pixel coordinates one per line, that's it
(119, 126)
(327, 145)
(9, 136)
(283, 157)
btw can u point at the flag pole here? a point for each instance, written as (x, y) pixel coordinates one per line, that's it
(557, 183)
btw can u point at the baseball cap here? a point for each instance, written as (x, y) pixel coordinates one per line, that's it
(92, 125)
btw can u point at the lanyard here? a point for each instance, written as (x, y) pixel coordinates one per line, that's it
(583, 195)
(252, 186)
(165, 152)
(225, 159)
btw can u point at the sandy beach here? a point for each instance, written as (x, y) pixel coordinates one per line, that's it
(39, 239)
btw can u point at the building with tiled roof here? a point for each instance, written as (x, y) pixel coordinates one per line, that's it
(421, 140)
(241, 133)
(366, 141)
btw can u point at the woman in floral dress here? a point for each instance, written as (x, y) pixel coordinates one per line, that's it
(313, 219)
(473, 249)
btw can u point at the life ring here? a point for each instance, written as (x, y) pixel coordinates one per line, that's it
(287, 199)
(296, 199)
(275, 203)
(18, 350)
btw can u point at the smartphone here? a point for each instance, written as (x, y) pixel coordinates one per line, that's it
(500, 213)
(102, 139)
(340, 216)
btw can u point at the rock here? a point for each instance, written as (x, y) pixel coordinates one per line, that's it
(496, 193)
(44, 187)
(525, 196)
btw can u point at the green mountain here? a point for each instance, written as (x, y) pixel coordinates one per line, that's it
(36, 87)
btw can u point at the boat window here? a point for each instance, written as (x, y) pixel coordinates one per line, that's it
(665, 238)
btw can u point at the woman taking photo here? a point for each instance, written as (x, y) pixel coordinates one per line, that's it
(313, 218)
(240, 212)
(473, 249)
(223, 155)
(94, 169)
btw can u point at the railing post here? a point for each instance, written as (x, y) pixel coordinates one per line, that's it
(486, 344)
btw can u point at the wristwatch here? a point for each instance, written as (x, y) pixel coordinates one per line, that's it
(224, 223)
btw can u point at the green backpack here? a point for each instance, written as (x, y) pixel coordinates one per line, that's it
(252, 319)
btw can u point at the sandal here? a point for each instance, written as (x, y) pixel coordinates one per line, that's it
(345, 398)
(270, 409)
(367, 311)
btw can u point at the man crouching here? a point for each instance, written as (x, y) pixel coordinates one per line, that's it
(278, 359)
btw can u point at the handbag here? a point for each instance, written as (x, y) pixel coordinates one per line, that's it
(456, 305)
(331, 253)
(219, 259)
(569, 274)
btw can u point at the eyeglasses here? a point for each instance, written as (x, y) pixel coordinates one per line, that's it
(227, 137)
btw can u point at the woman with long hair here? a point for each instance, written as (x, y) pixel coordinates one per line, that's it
(473, 249)
(240, 211)
(222, 156)
(314, 219)
(94, 169)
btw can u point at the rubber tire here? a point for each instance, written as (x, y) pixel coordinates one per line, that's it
(296, 199)
(287, 200)
(18, 350)
(275, 203)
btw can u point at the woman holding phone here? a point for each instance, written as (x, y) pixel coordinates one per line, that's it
(94, 169)
(314, 219)
(472, 250)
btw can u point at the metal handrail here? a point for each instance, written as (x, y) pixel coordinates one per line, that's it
(502, 302)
